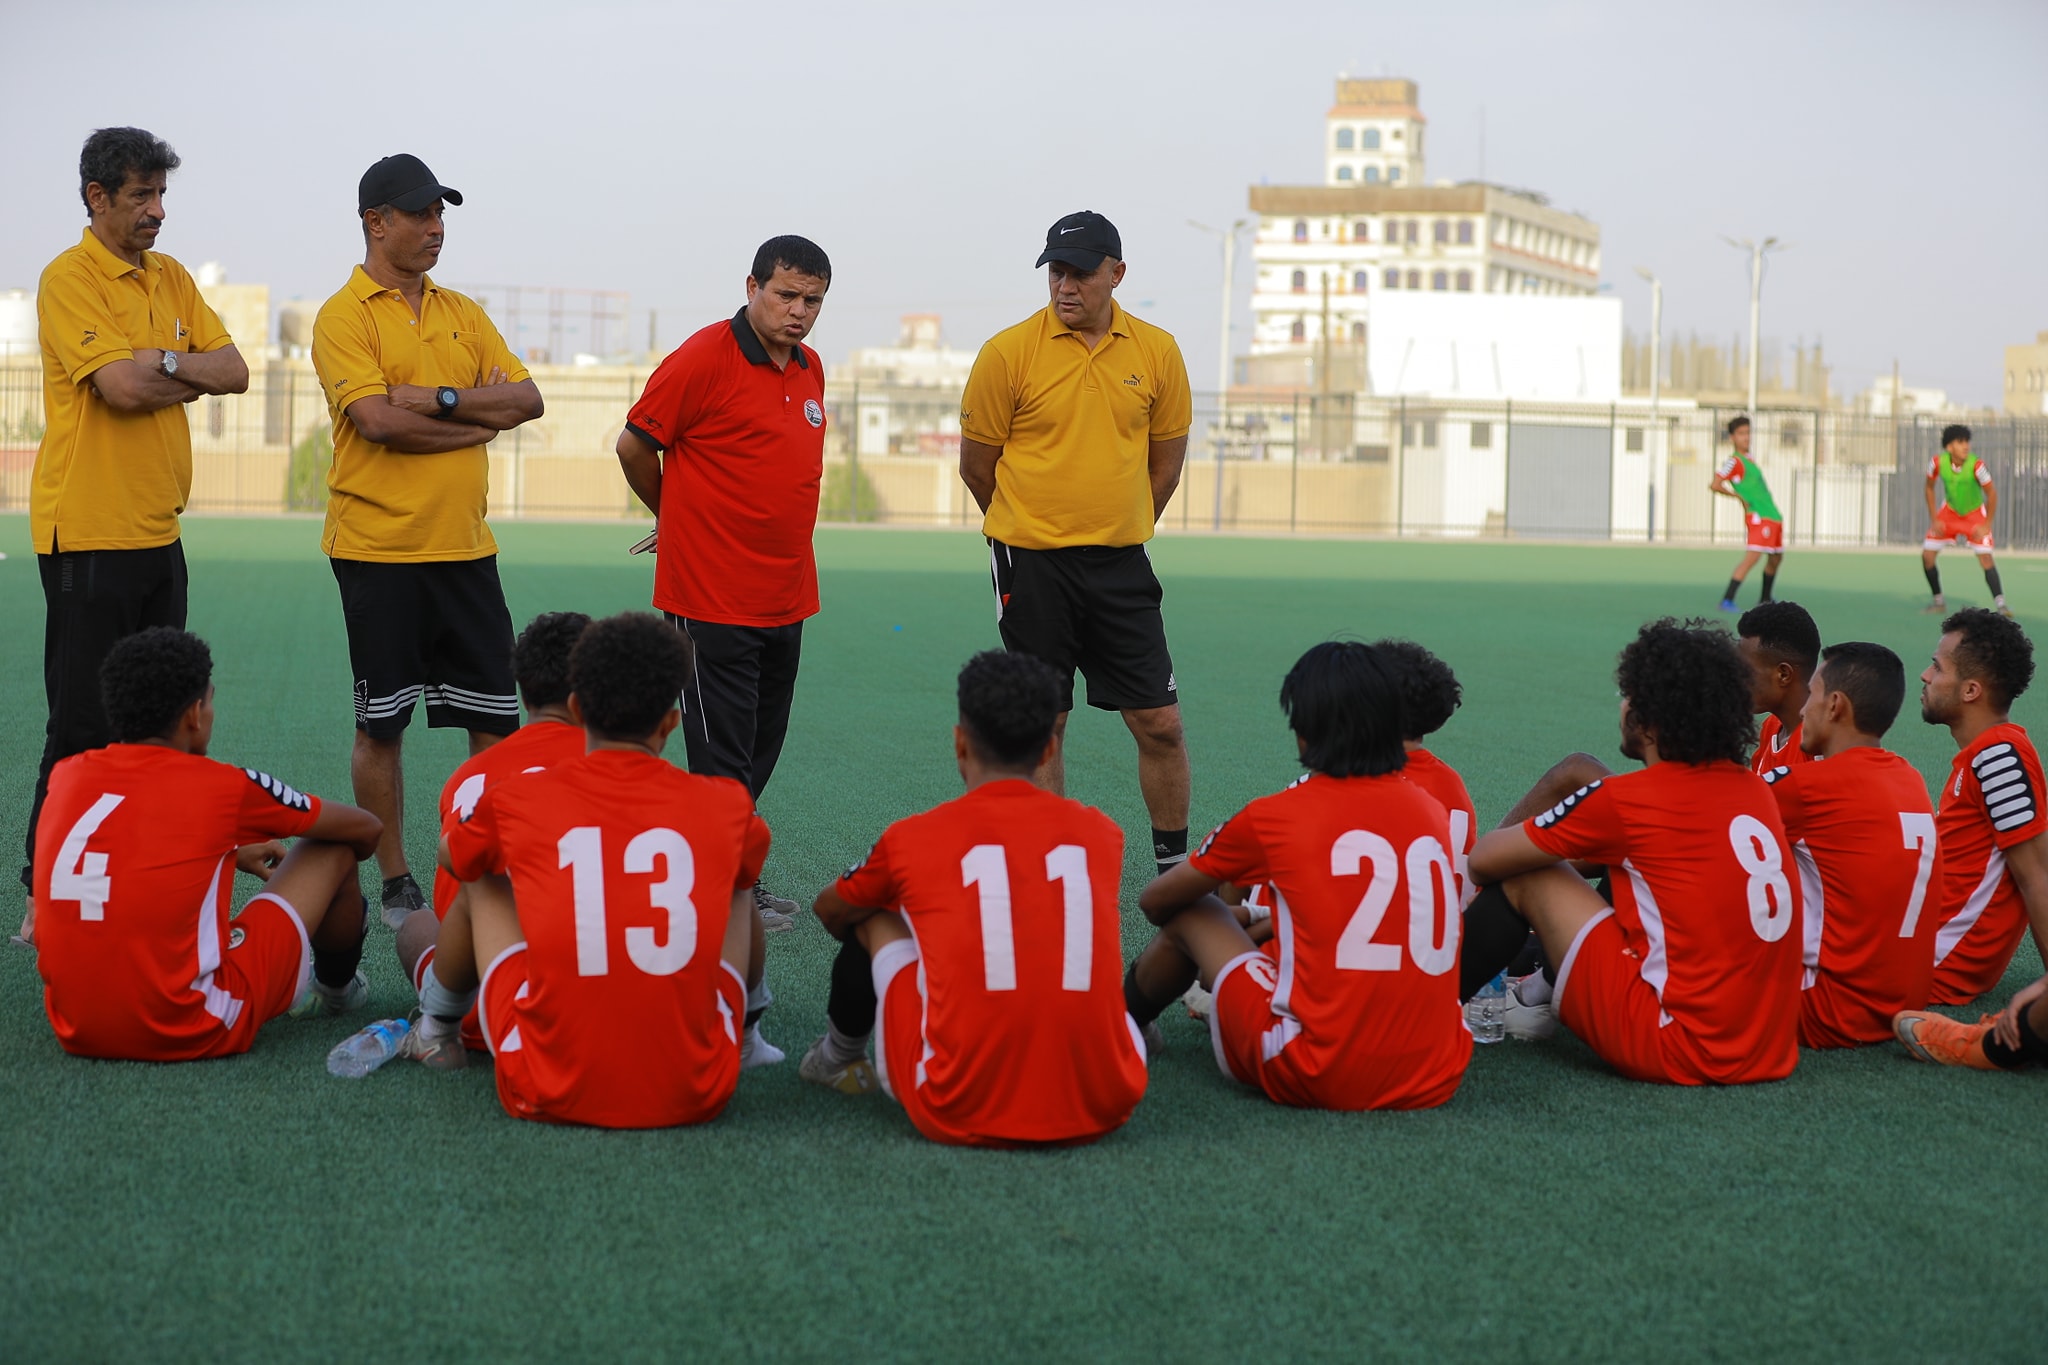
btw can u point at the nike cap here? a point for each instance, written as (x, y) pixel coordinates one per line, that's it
(404, 182)
(1082, 239)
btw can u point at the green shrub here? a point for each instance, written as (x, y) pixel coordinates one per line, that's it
(305, 488)
(835, 502)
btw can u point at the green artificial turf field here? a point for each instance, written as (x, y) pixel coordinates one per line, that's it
(1867, 1208)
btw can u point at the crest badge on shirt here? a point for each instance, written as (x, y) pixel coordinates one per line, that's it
(813, 414)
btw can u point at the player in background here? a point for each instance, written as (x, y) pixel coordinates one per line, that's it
(1353, 1004)
(1969, 500)
(540, 666)
(1692, 975)
(135, 861)
(610, 906)
(1781, 645)
(1429, 696)
(1862, 834)
(980, 943)
(1738, 476)
(1993, 870)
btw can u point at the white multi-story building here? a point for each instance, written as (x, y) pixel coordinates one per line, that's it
(1376, 224)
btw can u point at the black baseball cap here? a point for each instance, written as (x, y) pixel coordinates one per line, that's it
(1083, 239)
(404, 182)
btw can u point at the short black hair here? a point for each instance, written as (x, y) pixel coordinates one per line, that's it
(540, 656)
(1785, 631)
(626, 672)
(1952, 433)
(1343, 699)
(1687, 685)
(148, 680)
(1871, 677)
(1735, 423)
(112, 155)
(800, 254)
(1429, 690)
(1994, 651)
(1008, 705)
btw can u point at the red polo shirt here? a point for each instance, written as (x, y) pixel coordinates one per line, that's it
(744, 454)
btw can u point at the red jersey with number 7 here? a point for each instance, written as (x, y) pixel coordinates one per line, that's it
(623, 867)
(135, 862)
(1992, 802)
(1706, 899)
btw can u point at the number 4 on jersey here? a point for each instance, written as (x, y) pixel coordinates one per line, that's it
(81, 876)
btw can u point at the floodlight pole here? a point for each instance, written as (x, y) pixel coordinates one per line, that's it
(1229, 237)
(1756, 252)
(1657, 466)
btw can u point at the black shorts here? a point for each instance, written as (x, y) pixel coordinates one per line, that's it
(1091, 607)
(435, 631)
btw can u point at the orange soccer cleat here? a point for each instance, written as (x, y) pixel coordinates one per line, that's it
(1948, 1042)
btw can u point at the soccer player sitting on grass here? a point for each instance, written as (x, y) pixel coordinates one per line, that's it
(1429, 695)
(1353, 1004)
(1692, 975)
(1862, 834)
(136, 857)
(1781, 645)
(1969, 502)
(610, 906)
(980, 942)
(1993, 871)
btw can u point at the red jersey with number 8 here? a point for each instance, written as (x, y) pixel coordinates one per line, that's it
(624, 868)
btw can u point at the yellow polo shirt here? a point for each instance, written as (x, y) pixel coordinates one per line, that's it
(1075, 426)
(107, 480)
(382, 505)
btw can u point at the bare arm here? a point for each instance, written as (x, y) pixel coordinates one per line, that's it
(408, 433)
(640, 460)
(1504, 853)
(2028, 863)
(1990, 502)
(139, 384)
(978, 469)
(1929, 490)
(1164, 461)
(1174, 890)
(1721, 486)
(838, 915)
(1566, 776)
(341, 823)
(495, 403)
(217, 371)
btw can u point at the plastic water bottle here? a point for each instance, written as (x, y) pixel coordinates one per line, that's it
(357, 1055)
(1487, 1011)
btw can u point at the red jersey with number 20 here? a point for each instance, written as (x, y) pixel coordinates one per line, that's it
(1705, 896)
(533, 747)
(135, 861)
(1992, 802)
(1011, 895)
(623, 867)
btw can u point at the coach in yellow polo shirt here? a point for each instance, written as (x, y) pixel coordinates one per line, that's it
(419, 382)
(1073, 430)
(127, 341)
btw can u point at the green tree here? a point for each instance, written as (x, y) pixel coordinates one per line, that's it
(836, 500)
(305, 487)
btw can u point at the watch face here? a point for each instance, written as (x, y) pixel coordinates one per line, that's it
(170, 362)
(447, 397)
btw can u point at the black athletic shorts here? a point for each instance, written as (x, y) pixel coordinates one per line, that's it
(1091, 607)
(436, 632)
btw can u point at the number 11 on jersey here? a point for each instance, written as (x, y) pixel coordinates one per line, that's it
(987, 869)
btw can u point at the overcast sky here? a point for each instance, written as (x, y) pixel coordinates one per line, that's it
(650, 148)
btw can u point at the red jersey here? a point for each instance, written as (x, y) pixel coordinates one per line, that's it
(1441, 780)
(1992, 802)
(623, 867)
(135, 862)
(1366, 920)
(1011, 895)
(1777, 747)
(1706, 898)
(1862, 834)
(745, 458)
(533, 747)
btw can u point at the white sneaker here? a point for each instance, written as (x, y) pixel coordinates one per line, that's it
(321, 1001)
(758, 1051)
(1198, 1001)
(1531, 1012)
(778, 913)
(856, 1077)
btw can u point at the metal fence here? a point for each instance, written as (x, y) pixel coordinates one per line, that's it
(1275, 463)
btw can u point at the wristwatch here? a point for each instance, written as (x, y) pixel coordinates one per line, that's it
(170, 364)
(446, 397)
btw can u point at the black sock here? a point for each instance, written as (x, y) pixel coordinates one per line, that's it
(1991, 581)
(336, 967)
(1169, 849)
(1141, 1008)
(850, 1005)
(1494, 935)
(2033, 1048)
(1734, 586)
(1933, 578)
(1769, 578)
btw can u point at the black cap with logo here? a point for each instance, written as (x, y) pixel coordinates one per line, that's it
(1082, 239)
(404, 182)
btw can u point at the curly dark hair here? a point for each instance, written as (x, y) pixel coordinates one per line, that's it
(1736, 424)
(1784, 631)
(148, 680)
(1008, 704)
(626, 672)
(112, 155)
(1344, 700)
(1952, 433)
(1994, 651)
(540, 656)
(1689, 688)
(800, 254)
(1871, 677)
(1429, 690)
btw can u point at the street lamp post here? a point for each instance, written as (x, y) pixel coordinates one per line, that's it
(1658, 469)
(1757, 251)
(1229, 237)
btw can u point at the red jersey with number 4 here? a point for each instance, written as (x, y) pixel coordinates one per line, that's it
(1777, 747)
(135, 862)
(1011, 895)
(533, 747)
(624, 868)
(1862, 834)
(1441, 780)
(1705, 896)
(1992, 802)
(1365, 931)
